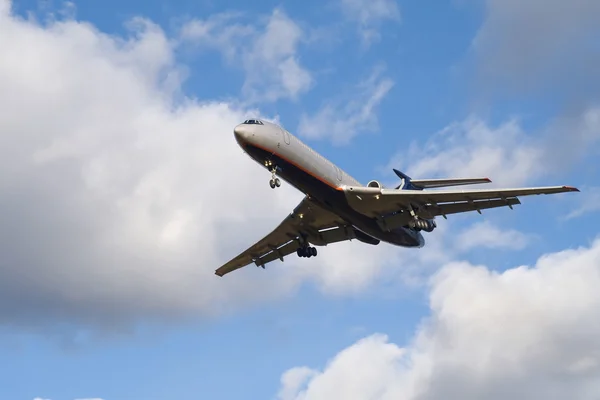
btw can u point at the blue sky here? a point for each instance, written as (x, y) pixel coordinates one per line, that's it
(124, 190)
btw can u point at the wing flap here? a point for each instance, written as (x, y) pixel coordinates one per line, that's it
(430, 211)
(277, 254)
(376, 202)
(339, 234)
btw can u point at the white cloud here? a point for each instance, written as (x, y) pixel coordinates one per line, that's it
(117, 201)
(486, 235)
(120, 195)
(344, 117)
(472, 148)
(293, 380)
(521, 334)
(268, 53)
(369, 15)
(506, 153)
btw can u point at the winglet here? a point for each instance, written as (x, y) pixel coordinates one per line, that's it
(571, 188)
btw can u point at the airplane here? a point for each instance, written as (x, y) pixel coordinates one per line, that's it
(337, 207)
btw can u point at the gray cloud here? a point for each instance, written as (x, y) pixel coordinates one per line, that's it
(547, 46)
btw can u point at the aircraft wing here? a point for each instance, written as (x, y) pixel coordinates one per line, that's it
(377, 202)
(320, 227)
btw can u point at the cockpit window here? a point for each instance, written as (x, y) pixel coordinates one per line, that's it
(253, 122)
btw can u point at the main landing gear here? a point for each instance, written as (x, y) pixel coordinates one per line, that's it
(307, 252)
(274, 182)
(422, 225)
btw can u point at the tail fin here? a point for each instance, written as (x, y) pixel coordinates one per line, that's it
(420, 184)
(407, 184)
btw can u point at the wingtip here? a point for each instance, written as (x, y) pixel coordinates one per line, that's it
(487, 179)
(571, 188)
(217, 273)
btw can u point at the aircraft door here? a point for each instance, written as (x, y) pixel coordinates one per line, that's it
(338, 172)
(286, 136)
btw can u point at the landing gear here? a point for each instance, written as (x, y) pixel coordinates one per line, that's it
(274, 182)
(417, 223)
(307, 252)
(422, 225)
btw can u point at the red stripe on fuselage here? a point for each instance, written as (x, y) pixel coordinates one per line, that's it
(320, 178)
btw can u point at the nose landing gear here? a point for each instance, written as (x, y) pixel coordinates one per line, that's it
(274, 182)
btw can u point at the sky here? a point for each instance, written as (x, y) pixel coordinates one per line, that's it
(123, 189)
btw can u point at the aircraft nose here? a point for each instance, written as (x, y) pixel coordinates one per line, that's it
(242, 132)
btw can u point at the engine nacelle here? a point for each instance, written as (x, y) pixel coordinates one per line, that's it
(375, 184)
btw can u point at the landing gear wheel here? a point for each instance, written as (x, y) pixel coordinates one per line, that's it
(306, 252)
(275, 182)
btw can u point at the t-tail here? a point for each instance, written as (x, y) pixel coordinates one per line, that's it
(419, 184)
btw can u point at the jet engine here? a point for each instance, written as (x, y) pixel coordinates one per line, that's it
(375, 184)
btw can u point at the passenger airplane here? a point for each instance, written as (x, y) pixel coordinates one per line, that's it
(337, 207)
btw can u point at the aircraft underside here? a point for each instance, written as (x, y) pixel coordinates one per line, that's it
(366, 228)
(338, 208)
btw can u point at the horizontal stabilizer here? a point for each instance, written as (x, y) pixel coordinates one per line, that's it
(438, 183)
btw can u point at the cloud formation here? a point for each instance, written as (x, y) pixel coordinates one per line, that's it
(341, 118)
(528, 332)
(116, 198)
(505, 153)
(486, 235)
(541, 45)
(120, 195)
(267, 51)
(369, 16)
(117, 202)
(470, 148)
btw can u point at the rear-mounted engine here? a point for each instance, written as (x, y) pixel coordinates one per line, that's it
(375, 184)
